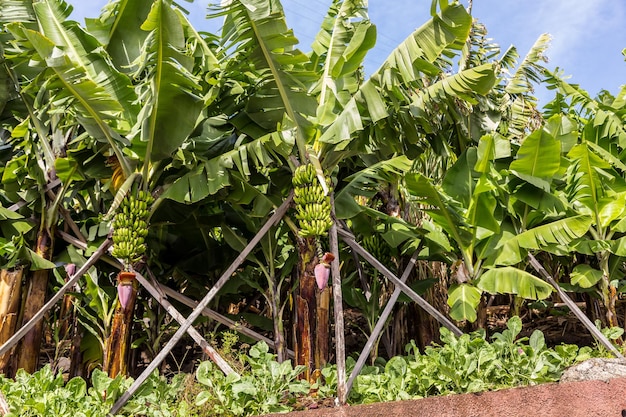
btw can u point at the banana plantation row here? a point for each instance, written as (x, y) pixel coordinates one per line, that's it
(137, 144)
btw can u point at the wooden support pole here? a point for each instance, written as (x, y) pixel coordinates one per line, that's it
(380, 324)
(168, 292)
(278, 214)
(443, 320)
(574, 308)
(340, 340)
(231, 324)
(154, 291)
(56, 297)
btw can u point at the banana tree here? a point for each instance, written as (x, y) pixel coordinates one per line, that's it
(568, 188)
(346, 113)
(38, 140)
(469, 207)
(595, 185)
(135, 115)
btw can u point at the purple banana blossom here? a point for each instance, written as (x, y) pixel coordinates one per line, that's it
(125, 287)
(322, 270)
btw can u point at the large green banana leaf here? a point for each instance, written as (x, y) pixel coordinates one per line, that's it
(171, 97)
(84, 52)
(338, 51)
(560, 232)
(538, 159)
(263, 45)
(463, 300)
(400, 74)
(78, 74)
(119, 30)
(365, 183)
(510, 280)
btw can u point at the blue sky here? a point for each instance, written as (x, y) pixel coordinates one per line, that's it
(587, 35)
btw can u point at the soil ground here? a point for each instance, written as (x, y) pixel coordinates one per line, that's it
(571, 399)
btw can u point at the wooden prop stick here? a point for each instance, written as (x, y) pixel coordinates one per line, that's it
(380, 324)
(278, 214)
(114, 262)
(573, 307)
(171, 310)
(156, 291)
(443, 320)
(231, 324)
(55, 298)
(340, 341)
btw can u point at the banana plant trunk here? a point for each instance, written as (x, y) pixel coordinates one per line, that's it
(10, 295)
(609, 292)
(312, 313)
(27, 352)
(279, 337)
(116, 350)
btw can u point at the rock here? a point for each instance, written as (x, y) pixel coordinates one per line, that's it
(598, 369)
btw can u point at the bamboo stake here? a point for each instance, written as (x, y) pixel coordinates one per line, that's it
(574, 308)
(56, 297)
(340, 341)
(380, 324)
(231, 324)
(278, 214)
(168, 292)
(197, 337)
(443, 320)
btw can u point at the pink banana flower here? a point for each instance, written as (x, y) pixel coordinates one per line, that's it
(322, 270)
(125, 287)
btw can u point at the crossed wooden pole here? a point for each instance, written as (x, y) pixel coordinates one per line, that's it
(343, 386)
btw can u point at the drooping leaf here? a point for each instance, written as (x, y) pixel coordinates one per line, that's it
(586, 176)
(561, 232)
(414, 57)
(463, 300)
(538, 159)
(366, 182)
(86, 55)
(208, 177)
(510, 280)
(258, 32)
(585, 276)
(444, 211)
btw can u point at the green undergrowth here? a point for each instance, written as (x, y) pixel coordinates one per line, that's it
(469, 363)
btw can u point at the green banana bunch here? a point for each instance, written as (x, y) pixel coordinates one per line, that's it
(377, 247)
(312, 204)
(130, 226)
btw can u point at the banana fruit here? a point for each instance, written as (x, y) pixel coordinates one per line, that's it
(130, 227)
(312, 204)
(377, 247)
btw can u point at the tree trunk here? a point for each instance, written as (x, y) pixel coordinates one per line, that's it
(36, 290)
(279, 338)
(116, 350)
(311, 327)
(322, 334)
(10, 292)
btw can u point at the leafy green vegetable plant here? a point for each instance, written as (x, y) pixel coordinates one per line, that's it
(267, 388)
(467, 364)
(45, 394)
